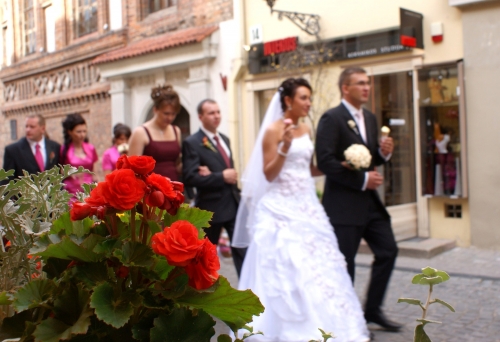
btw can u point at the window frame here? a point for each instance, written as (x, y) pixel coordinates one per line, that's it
(77, 10)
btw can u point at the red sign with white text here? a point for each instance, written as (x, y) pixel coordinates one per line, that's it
(280, 46)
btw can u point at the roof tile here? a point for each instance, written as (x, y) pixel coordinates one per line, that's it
(158, 43)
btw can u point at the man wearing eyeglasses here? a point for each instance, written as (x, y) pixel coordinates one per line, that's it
(350, 197)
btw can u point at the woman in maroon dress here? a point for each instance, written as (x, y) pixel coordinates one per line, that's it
(157, 137)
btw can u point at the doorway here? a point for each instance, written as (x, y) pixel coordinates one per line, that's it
(392, 103)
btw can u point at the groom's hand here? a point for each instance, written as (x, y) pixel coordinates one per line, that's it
(386, 146)
(375, 179)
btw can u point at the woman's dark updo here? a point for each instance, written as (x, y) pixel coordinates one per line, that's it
(69, 124)
(120, 129)
(165, 94)
(289, 88)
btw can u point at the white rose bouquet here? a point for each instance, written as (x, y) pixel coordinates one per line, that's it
(358, 156)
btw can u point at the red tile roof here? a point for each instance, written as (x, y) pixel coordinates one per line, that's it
(158, 43)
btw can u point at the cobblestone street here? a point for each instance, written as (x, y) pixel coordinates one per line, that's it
(473, 290)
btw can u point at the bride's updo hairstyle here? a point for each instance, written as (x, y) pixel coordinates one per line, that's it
(289, 88)
(165, 94)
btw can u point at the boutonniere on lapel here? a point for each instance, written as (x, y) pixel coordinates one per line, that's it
(208, 144)
(52, 155)
(353, 126)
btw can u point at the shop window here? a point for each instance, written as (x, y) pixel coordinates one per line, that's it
(85, 17)
(151, 6)
(29, 27)
(453, 210)
(440, 129)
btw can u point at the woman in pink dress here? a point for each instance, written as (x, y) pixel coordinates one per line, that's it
(157, 137)
(121, 134)
(76, 151)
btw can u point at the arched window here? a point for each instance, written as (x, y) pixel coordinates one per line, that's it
(29, 27)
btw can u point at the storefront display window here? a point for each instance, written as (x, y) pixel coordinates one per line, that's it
(440, 128)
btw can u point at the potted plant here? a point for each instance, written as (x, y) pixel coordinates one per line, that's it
(128, 261)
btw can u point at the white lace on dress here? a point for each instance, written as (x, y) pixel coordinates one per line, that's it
(293, 262)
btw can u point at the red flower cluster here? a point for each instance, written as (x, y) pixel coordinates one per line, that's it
(180, 245)
(130, 183)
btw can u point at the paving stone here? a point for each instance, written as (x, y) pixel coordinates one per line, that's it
(473, 290)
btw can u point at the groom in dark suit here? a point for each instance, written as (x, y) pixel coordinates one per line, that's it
(350, 197)
(33, 153)
(208, 166)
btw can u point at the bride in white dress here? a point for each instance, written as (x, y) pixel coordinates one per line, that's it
(293, 263)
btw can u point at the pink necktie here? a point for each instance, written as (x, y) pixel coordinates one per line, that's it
(222, 152)
(39, 158)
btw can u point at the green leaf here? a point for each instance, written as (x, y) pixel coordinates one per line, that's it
(154, 227)
(411, 301)
(111, 306)
(199, 218)
(183, 325)
(91, 273)
(33, 294)
(15, 325)
(425, 321)
(162, 268)
(430, 280)
(155, 302)
(5, 298)
(54, 330)
(416, 279)
(72, 316)
(69, 250)
(64, 223)
(135, 254)
(420, 335)
(429, 271)
(234, 307)
(141, 330)
(54, 267)
(224, 338)
(445, 276)
(442, 302)
(107, 246)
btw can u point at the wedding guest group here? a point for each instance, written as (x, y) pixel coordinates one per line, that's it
(121, 134)
(350, 196)
(33, 153)
(77, 151)
(208, 166)
(157, 137)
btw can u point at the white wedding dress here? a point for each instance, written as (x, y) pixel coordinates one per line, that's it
(293, 263)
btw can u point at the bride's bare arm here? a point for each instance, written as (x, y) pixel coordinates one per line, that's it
(273, 161)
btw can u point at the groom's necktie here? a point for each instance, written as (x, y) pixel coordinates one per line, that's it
(39, 158)
(222, 152)
(360, 120)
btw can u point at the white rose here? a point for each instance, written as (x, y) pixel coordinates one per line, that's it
(358, 156)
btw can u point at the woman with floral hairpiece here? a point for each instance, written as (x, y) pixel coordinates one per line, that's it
(293, 263)
(157, 137)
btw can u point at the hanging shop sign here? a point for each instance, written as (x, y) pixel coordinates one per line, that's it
(280, 46)
(265, 57)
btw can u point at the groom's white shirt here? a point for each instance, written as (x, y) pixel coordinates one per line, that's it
(362, 131)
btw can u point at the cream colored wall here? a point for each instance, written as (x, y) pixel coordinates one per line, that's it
(482, 71)
(442, 227)
(341, 18)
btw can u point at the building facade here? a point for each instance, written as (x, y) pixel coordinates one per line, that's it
(418, 90)
(481, 44)
(100, 58)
